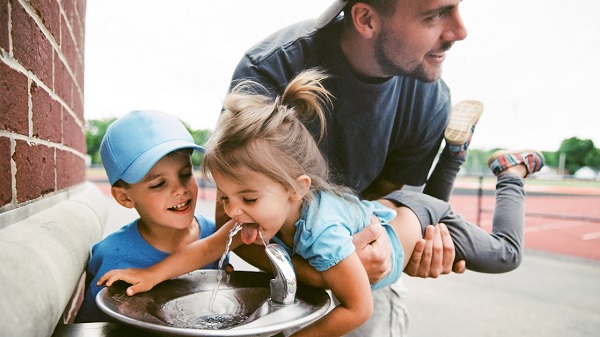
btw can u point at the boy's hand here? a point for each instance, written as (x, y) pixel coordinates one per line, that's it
(140, 279)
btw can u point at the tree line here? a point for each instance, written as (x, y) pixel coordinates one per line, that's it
(573, 153)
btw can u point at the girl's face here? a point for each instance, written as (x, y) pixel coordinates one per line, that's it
(259, 202)
(167, 195)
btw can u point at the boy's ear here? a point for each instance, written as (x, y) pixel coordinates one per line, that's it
(365, 19)
(121, 196)
(303, 182)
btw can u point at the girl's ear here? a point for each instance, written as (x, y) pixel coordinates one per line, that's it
(303, 185)
(121, 196)
(365, 19)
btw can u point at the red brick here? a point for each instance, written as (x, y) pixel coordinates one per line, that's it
(5, 172)
(79, 24)
(81, 9)
(77, 105)
(35, 170)
(4, 24)
(77, 96)
(49, 12)
(62, 81)
(69, 8)
(30, 46)
(73, 135)
(45, 115)
(13, 100)
(70, 169)
(67, 45)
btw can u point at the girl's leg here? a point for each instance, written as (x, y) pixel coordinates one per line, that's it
(458, 134)
(440, 183)
(500, 251)
(406, 225)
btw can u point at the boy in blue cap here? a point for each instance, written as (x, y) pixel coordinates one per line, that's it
(147, 157)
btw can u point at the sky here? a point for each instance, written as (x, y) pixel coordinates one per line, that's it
(534, 63)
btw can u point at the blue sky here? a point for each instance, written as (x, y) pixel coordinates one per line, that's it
(532, 63)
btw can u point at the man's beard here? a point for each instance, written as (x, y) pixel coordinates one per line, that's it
(389, 67)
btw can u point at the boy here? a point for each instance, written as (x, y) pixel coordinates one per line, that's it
(147, 157)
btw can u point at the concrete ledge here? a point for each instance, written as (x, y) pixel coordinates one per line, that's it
(43, 257)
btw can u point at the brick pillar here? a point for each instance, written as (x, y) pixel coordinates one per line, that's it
(49, 214)
(42, 128)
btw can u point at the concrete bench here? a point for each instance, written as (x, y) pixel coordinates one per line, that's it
(43, 259)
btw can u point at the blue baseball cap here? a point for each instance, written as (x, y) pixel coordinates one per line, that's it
(138, 140)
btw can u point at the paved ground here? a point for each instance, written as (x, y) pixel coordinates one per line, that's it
(547, 295)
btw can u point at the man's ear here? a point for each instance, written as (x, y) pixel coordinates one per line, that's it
(303, 185)
(365, 19)
(121, 196)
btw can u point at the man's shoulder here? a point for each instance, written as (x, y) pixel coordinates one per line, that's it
(277, 59)
(282, 40)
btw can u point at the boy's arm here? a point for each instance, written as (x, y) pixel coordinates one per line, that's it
(187, 259)
(349, 283)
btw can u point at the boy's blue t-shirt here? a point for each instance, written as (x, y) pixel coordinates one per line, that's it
(125, 248)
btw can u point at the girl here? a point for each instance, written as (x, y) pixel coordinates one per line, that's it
(272, 179)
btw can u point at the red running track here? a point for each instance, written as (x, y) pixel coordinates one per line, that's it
(561, 224)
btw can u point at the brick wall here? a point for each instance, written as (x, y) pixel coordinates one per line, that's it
(42, 135)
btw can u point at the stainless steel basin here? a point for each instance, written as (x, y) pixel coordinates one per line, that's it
(242, 305)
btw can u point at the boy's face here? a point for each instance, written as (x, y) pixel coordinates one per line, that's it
(166, 196)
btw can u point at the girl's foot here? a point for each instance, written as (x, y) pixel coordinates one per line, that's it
(461, 126)
(503, 160)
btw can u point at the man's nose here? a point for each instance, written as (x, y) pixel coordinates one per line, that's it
(456, 30)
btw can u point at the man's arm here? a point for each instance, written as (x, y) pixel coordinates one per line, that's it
(433, 255)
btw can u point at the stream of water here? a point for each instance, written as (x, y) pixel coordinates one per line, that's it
(236, 228)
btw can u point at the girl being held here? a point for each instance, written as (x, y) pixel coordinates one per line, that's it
(272, 178)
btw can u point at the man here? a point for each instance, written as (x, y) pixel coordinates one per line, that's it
(389, 114)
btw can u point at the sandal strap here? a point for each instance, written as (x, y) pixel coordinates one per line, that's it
(502, 160)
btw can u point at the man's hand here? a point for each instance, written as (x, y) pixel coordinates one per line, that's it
(374, 250)
(434, 255)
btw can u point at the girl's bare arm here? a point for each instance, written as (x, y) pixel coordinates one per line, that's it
(350, 284)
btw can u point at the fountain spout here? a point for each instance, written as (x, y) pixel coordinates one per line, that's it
(283, 286)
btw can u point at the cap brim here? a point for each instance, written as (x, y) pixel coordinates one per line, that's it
(144, 163)
(330, 13)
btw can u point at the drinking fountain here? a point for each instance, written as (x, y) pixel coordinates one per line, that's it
(246, 303)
